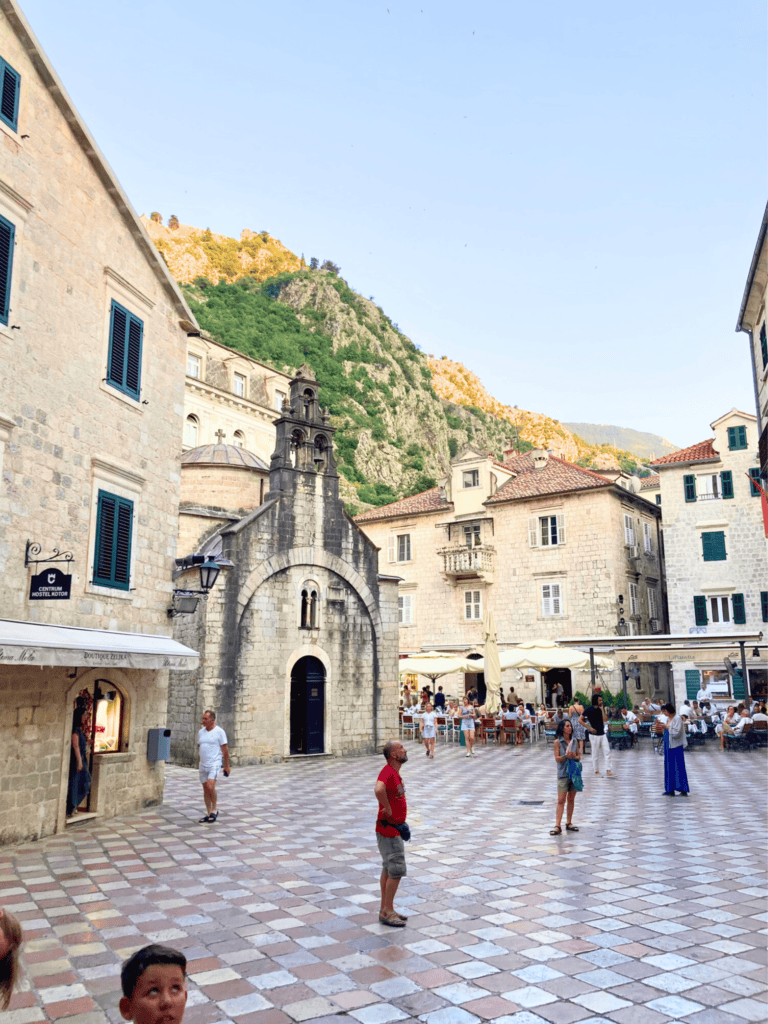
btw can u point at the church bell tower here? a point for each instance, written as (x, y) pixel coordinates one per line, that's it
(304, 443)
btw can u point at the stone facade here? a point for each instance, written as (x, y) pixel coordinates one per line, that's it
(483, 538)
(66, 433)
(752, 320)
(715, 548)
(211, 404)
(300, 581)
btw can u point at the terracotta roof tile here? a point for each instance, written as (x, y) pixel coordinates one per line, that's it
(556, 477)
(426, 501)
(704, 451)
(650, 482)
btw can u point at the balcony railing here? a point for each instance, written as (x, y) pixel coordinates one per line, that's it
(466, 561)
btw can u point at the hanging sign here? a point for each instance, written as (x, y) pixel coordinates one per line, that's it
(50, 585)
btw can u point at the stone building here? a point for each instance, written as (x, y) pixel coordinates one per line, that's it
(92, 349)
(299, 637)
(752, 320)
(230, 396)
(717, 565)
(552, 549)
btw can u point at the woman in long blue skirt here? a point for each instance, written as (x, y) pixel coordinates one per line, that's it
(675, 775)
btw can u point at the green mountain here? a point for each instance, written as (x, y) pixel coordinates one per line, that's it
(643, 446)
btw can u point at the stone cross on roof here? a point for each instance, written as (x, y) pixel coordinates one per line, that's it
(220, 435)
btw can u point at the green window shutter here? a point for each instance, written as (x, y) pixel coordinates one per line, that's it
(726, 483)
(10, 87)
(764, 346)
(713, 545)
(689, 482)
(700, 610)
(731, 437)
(125, 342)
(692, 683)
(112, 557)
(738, 686)
(739, 611)
(7, 232)
(754, 490)
(764, 604)
(742, 437)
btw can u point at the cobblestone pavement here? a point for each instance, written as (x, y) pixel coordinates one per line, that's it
(654, 911)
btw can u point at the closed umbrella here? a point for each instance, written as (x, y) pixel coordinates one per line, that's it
(491, 666)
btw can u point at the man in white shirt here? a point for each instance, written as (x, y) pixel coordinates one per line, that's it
(630, 719)
(704, 693)
(214, 753)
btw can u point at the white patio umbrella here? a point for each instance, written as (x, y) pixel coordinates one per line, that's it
(491, 666)
(433, 665)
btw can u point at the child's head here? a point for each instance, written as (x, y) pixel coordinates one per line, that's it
(154, 986)
(10, 941)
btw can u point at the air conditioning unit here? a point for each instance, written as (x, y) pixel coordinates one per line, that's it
(634, 551)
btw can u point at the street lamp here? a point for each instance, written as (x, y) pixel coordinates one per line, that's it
(185, 601)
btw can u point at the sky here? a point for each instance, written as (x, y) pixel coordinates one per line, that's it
(564, 195)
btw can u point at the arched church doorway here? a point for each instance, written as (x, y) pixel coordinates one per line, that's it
(308, 707)
(553, 679)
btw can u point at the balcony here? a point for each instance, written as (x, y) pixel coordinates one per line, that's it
(462, 562)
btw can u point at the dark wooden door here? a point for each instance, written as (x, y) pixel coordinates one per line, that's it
(308, 707)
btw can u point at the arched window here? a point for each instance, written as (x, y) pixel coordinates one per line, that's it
(313, 609)
(320, 448)
(310, 605)
(304, 609)
(309, 397)
(239, 439)
(297, 440)
(192, 431)
(109, 718)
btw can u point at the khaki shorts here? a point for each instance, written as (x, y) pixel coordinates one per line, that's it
(392, 852)
(565, 786)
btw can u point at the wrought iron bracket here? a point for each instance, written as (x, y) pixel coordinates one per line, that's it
(33, 548)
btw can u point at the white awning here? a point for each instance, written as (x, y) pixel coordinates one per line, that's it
(41, 643)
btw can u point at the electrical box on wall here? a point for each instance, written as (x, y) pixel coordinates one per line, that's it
(159, 745)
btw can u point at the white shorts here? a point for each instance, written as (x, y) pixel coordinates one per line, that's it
(206, 774)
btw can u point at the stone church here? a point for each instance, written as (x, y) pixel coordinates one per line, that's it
(299, 636)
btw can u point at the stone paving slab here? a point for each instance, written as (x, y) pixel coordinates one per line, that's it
(654, 911)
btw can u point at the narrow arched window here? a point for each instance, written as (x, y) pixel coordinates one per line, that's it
(304, 610)
(192, 431)
(239, 439)
(313, 609)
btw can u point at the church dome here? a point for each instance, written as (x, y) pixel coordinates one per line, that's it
(223, 455)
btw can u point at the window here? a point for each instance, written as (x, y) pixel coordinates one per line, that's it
(280, 397)
(193, 365)
(472, 478)
(739, 609)
(108, 723)
(629, 531)
(633, 603)
(7, 232)
(9, 95)
(239, 439)
(309, 607)
(709, 486)
(124, 360)
(656, 678)
(400, 547)
(689, 484)
(658, 499)
(764, 605)
(112, 557)
(726, 483)
(551, 599)
(473, 605)
(647, 545)
(737, 438)
(720, 609)
(405, 609)
(764, 345)
(754, 480)
(546, 531)
(713, 545)
(192, 432)
(700, 610)
(653, 604)
(472, 535)
(240, 385)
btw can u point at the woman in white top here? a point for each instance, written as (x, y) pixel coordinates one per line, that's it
(468, 725)
(428, 730)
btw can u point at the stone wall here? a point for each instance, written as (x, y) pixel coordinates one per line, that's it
(223, 487)
(35, 719)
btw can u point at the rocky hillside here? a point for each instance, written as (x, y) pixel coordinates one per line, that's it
(196, 252)
(644, 446)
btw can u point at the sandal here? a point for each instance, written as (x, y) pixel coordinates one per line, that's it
(403, 917)
(570, 828)
(207, 818)
(214, 816)
(393, 920)
(556, 831)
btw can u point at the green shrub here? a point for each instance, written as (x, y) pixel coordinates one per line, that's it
(453, 446)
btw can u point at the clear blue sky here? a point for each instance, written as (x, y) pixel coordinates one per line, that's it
(562, 194)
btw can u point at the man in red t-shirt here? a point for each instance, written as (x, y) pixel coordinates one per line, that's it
(390, 792)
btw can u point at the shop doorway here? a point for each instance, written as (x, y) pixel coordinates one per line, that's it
(553, 679)
(307, 707)
(97, 727)
(475, 681)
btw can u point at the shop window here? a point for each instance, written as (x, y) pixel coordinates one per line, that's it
(108, 721)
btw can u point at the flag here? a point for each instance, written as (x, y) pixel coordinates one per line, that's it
(763, 500)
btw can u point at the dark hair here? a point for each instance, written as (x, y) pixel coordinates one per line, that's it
(595, 698)
(670, 708)
(387, 748)
(77, 719)
(146, 957)
(9, 964)
(211, 713)
(561, 728)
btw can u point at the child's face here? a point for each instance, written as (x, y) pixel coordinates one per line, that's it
(159, 997)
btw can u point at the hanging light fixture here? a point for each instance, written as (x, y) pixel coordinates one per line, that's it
(185, 601)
